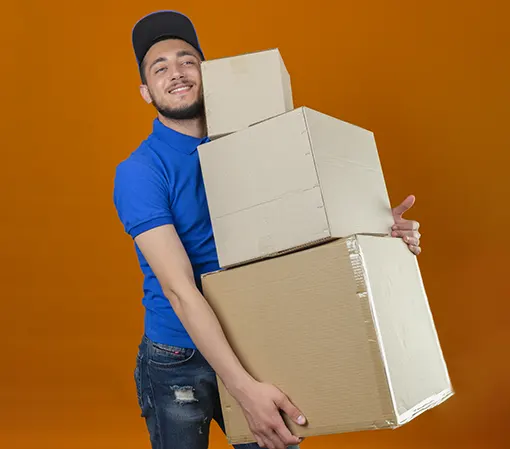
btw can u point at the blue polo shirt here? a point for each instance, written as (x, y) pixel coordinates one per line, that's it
(161, 183)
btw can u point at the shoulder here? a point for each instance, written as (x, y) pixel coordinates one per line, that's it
(141, 193)
(141, 164)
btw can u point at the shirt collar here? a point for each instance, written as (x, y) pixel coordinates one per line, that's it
(178, 141)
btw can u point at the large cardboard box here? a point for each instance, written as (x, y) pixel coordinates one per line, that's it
(244, 89)
(344, 328)
(294, 179)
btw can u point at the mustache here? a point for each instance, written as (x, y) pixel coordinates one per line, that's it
(180, 83)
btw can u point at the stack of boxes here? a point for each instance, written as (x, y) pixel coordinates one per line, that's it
(314, 295)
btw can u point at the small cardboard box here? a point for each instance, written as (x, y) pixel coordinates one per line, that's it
(244, 89)
(343, 328)
(292, 180)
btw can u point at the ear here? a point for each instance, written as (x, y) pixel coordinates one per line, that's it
(144, 92)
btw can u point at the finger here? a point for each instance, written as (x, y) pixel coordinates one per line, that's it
(403, 234)
(412, 241)
(264, 442)
(409, 239)
(283, 433)
(415, 249)
(291, 410)
(286, 436)
(268, 445)
(406, 225)
(273, 441)
(260, 442)
(404, 206)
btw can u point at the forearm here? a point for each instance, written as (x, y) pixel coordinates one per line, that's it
(166, 255)
(205, 330)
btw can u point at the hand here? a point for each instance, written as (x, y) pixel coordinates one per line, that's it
(407, 229)
(261, 404)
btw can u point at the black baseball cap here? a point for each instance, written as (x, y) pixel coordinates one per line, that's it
(161, 25)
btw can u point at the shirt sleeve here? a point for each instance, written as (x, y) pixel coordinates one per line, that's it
(141, 197)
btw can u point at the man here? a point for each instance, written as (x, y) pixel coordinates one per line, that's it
(160, 199)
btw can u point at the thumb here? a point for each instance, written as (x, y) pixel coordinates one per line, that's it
(291, 410)
(404, 206)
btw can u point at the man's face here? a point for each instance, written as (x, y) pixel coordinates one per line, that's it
(174, 80)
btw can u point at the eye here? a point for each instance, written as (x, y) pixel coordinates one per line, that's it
(160, 69)
(189, 62)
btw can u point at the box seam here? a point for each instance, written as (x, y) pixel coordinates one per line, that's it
(304, 246)
(367, 288)
(326, 430)
(309, 134)
(282, 74)
(425, 405)
(248, 53)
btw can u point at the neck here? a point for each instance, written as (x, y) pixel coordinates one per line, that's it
(194, 127)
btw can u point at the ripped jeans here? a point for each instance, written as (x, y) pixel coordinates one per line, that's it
(178, 397)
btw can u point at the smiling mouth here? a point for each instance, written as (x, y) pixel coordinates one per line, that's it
(180, 89)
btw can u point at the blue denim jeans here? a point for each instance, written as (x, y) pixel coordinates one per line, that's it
(178, 396)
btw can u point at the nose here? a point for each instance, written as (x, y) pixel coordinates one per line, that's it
(177, 72)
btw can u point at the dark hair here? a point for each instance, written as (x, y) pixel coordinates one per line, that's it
(143, 77)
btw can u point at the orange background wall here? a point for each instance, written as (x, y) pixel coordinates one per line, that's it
(429, 78)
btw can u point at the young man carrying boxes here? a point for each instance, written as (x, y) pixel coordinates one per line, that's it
(160, 198)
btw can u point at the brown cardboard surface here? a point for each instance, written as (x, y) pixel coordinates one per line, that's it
(244, 89)
(323, 324)
(292, 180)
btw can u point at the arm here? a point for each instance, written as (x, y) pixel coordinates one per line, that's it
(142, 197)
(165, 254)
(260, 402)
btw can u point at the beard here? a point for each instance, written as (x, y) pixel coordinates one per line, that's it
(189, 112)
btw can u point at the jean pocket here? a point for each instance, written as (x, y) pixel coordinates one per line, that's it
(167, 356)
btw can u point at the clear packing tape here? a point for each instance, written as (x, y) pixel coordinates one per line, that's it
(374, 337)
(372, 329)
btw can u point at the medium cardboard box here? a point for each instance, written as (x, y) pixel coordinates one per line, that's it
(244, 89)
(344, 328)
(291, 180)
